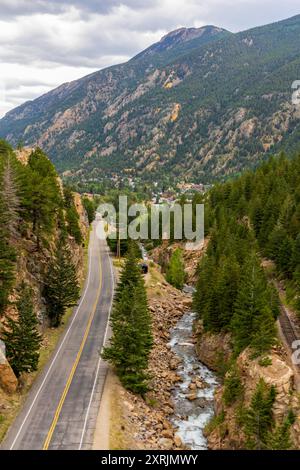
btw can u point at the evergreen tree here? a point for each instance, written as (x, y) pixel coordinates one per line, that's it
(233, 387)
(10, 198)
(61, 289)
(175, 274)
(41, 198)
(131, 341)
(280, 437)
(21, 336)
(258, 418)
(227, 288)
(72, 216)
(7, 252)
(90, 208)
(252, 310)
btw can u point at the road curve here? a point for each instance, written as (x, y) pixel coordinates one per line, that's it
(61, 409)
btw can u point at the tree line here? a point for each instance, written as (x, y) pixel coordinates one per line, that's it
(38, 215)
(256, 215)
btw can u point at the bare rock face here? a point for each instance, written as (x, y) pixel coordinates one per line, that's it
(8, 380)
(229, 434)
(278, 373)
(212, 349)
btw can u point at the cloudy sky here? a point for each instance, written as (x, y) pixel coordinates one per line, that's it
(44, 43)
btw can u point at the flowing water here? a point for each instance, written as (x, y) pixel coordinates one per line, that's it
(191, 415)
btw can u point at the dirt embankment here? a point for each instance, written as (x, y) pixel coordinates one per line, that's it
(132, 422)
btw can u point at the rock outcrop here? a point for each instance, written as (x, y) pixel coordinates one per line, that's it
(8, 380)
(213, 349)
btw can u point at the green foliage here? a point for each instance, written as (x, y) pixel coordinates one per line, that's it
(265, 362)
(131, 325)
(9, 205)
(258, 418)
(280, 437)
(41, 197)
(72, 216)
(253, 321)
(61, 289)
(232, 291)
(222, 80)
(175, 274)
(90, 207)
(21, 336)
(258, 422)
(215, 422)
(233, 387)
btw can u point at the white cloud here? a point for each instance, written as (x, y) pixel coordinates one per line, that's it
(45, 43)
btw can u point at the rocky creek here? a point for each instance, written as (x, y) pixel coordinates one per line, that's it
(193, 397)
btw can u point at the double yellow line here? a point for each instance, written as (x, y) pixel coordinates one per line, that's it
(73, 370)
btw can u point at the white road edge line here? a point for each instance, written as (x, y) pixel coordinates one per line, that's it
(58, 351)
(100, 359)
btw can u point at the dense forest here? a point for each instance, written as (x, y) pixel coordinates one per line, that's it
(253, 217)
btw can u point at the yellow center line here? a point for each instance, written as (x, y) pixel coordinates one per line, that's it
(73, 370)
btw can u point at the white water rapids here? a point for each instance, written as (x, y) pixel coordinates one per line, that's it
(191, 416)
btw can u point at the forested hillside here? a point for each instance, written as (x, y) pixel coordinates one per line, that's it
(201, 103)
(41, 253)
(254, 216)
(251, 221)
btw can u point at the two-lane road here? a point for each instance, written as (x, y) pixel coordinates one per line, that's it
(61, 409)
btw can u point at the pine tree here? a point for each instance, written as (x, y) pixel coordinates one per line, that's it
(61, 289)
(204, 288)
(258, 418)
(252, 310)
(21, 336)
(41, 197)
(227, 288)
(72, 217)
(10, 198)
(7, 252)
(90, 208)
(175, 274)
(280, 437)
(264, 332)
(131, 341)
(233, 387)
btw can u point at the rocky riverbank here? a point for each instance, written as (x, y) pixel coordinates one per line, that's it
(139, 424)
(194, 395)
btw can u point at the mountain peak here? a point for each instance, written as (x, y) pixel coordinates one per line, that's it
(187, 34)
(182, 35)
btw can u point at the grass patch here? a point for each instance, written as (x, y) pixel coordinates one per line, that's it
(214, 423)
(265, 362)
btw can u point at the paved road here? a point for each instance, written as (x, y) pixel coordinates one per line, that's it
(61, 409)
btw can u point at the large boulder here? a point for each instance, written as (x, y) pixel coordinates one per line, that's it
(8, 380)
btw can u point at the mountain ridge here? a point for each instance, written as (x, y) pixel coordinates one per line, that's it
(204, 107)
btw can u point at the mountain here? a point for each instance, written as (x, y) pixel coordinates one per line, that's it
(201, 103)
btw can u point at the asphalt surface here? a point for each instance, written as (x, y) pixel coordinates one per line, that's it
(61, 409)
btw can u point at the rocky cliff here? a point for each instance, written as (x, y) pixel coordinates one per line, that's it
(228, 434)
(31, 265)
